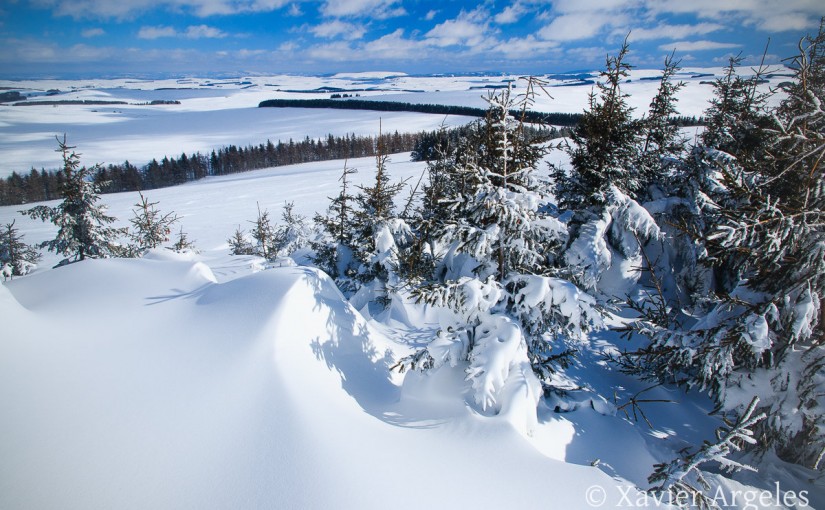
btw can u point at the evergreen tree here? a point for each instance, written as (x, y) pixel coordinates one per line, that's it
(20, 257)
(662, 142)
(755, 219)
(377, 234)
(183, 244)
(608, 174)
(333, 247)
(292, 235)
(494, 247)
(736, 121)
(264, 234)
(239, 245)
(81, 222)
(604, 148)
(151, 229)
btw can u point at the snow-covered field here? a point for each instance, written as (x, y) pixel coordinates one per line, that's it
(213, 381)
(216, 113)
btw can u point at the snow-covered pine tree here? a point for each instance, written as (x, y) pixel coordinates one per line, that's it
(333, 245)
(377, 234)
(151, 228)
(494, 247)
(20, 257)
(82, 230)
(239, 244)
(264, 234)
(662, 143)
(604, 148)
(682, 477)
(183, 244)
(609, 228)
(758, 225)
(291, 235)
(736, 122)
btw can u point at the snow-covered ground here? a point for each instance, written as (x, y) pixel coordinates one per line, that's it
(216, 113)
(213, 381)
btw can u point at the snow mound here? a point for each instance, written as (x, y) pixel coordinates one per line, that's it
(145, 384)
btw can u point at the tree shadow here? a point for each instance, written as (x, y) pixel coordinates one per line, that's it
(196, 293)
(348, 348)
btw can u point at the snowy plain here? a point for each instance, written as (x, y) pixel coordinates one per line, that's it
(216, 113)
(213, 381)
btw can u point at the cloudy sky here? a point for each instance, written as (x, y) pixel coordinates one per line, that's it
(88, 38)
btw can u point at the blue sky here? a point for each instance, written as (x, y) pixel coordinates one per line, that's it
(91, 38)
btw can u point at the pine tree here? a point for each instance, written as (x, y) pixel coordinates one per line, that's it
(662, 142)
(609, 173)
(333, 247)
(755, 219)
(80, 220)
(377, 234)
(494, 248)
(736, 121)
(682, 477)
(604, 148)
(292, 235)
(151, 229)
(264, 234)
(183, 244)
(20, 257)
(239, 245)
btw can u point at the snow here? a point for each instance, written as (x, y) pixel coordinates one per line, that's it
(146, 384)
(203, 380)
(216, 113)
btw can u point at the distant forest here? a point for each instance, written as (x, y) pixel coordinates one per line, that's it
(549, 119)
(41, 185)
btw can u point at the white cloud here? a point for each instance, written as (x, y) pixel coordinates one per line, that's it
(593, 6)
(191, 32)
(510, 14)
(665, 31)
(336, 52)
(379, 9)
(797, 22)
(574, 27)
(393, 46)
(697, 46)
(288, 47)
(127, 9)
(338, 28)
(246, 54)
(430, 15)
(468, 29)
(92, 32)
(767, 15)
(203, 32)
(525, 47)
(28, 50)
(295, 10)
(156, 32)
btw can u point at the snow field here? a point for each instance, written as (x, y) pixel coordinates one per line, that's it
(146, 384)
(205, 381)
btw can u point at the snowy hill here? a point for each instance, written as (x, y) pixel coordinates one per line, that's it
(146, 384)
(210, 380)
(206, 382)
(216, 113)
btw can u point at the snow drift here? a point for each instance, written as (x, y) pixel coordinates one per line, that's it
(146, 384)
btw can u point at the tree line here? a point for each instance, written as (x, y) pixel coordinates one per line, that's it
(43, 185)
(528, 116)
